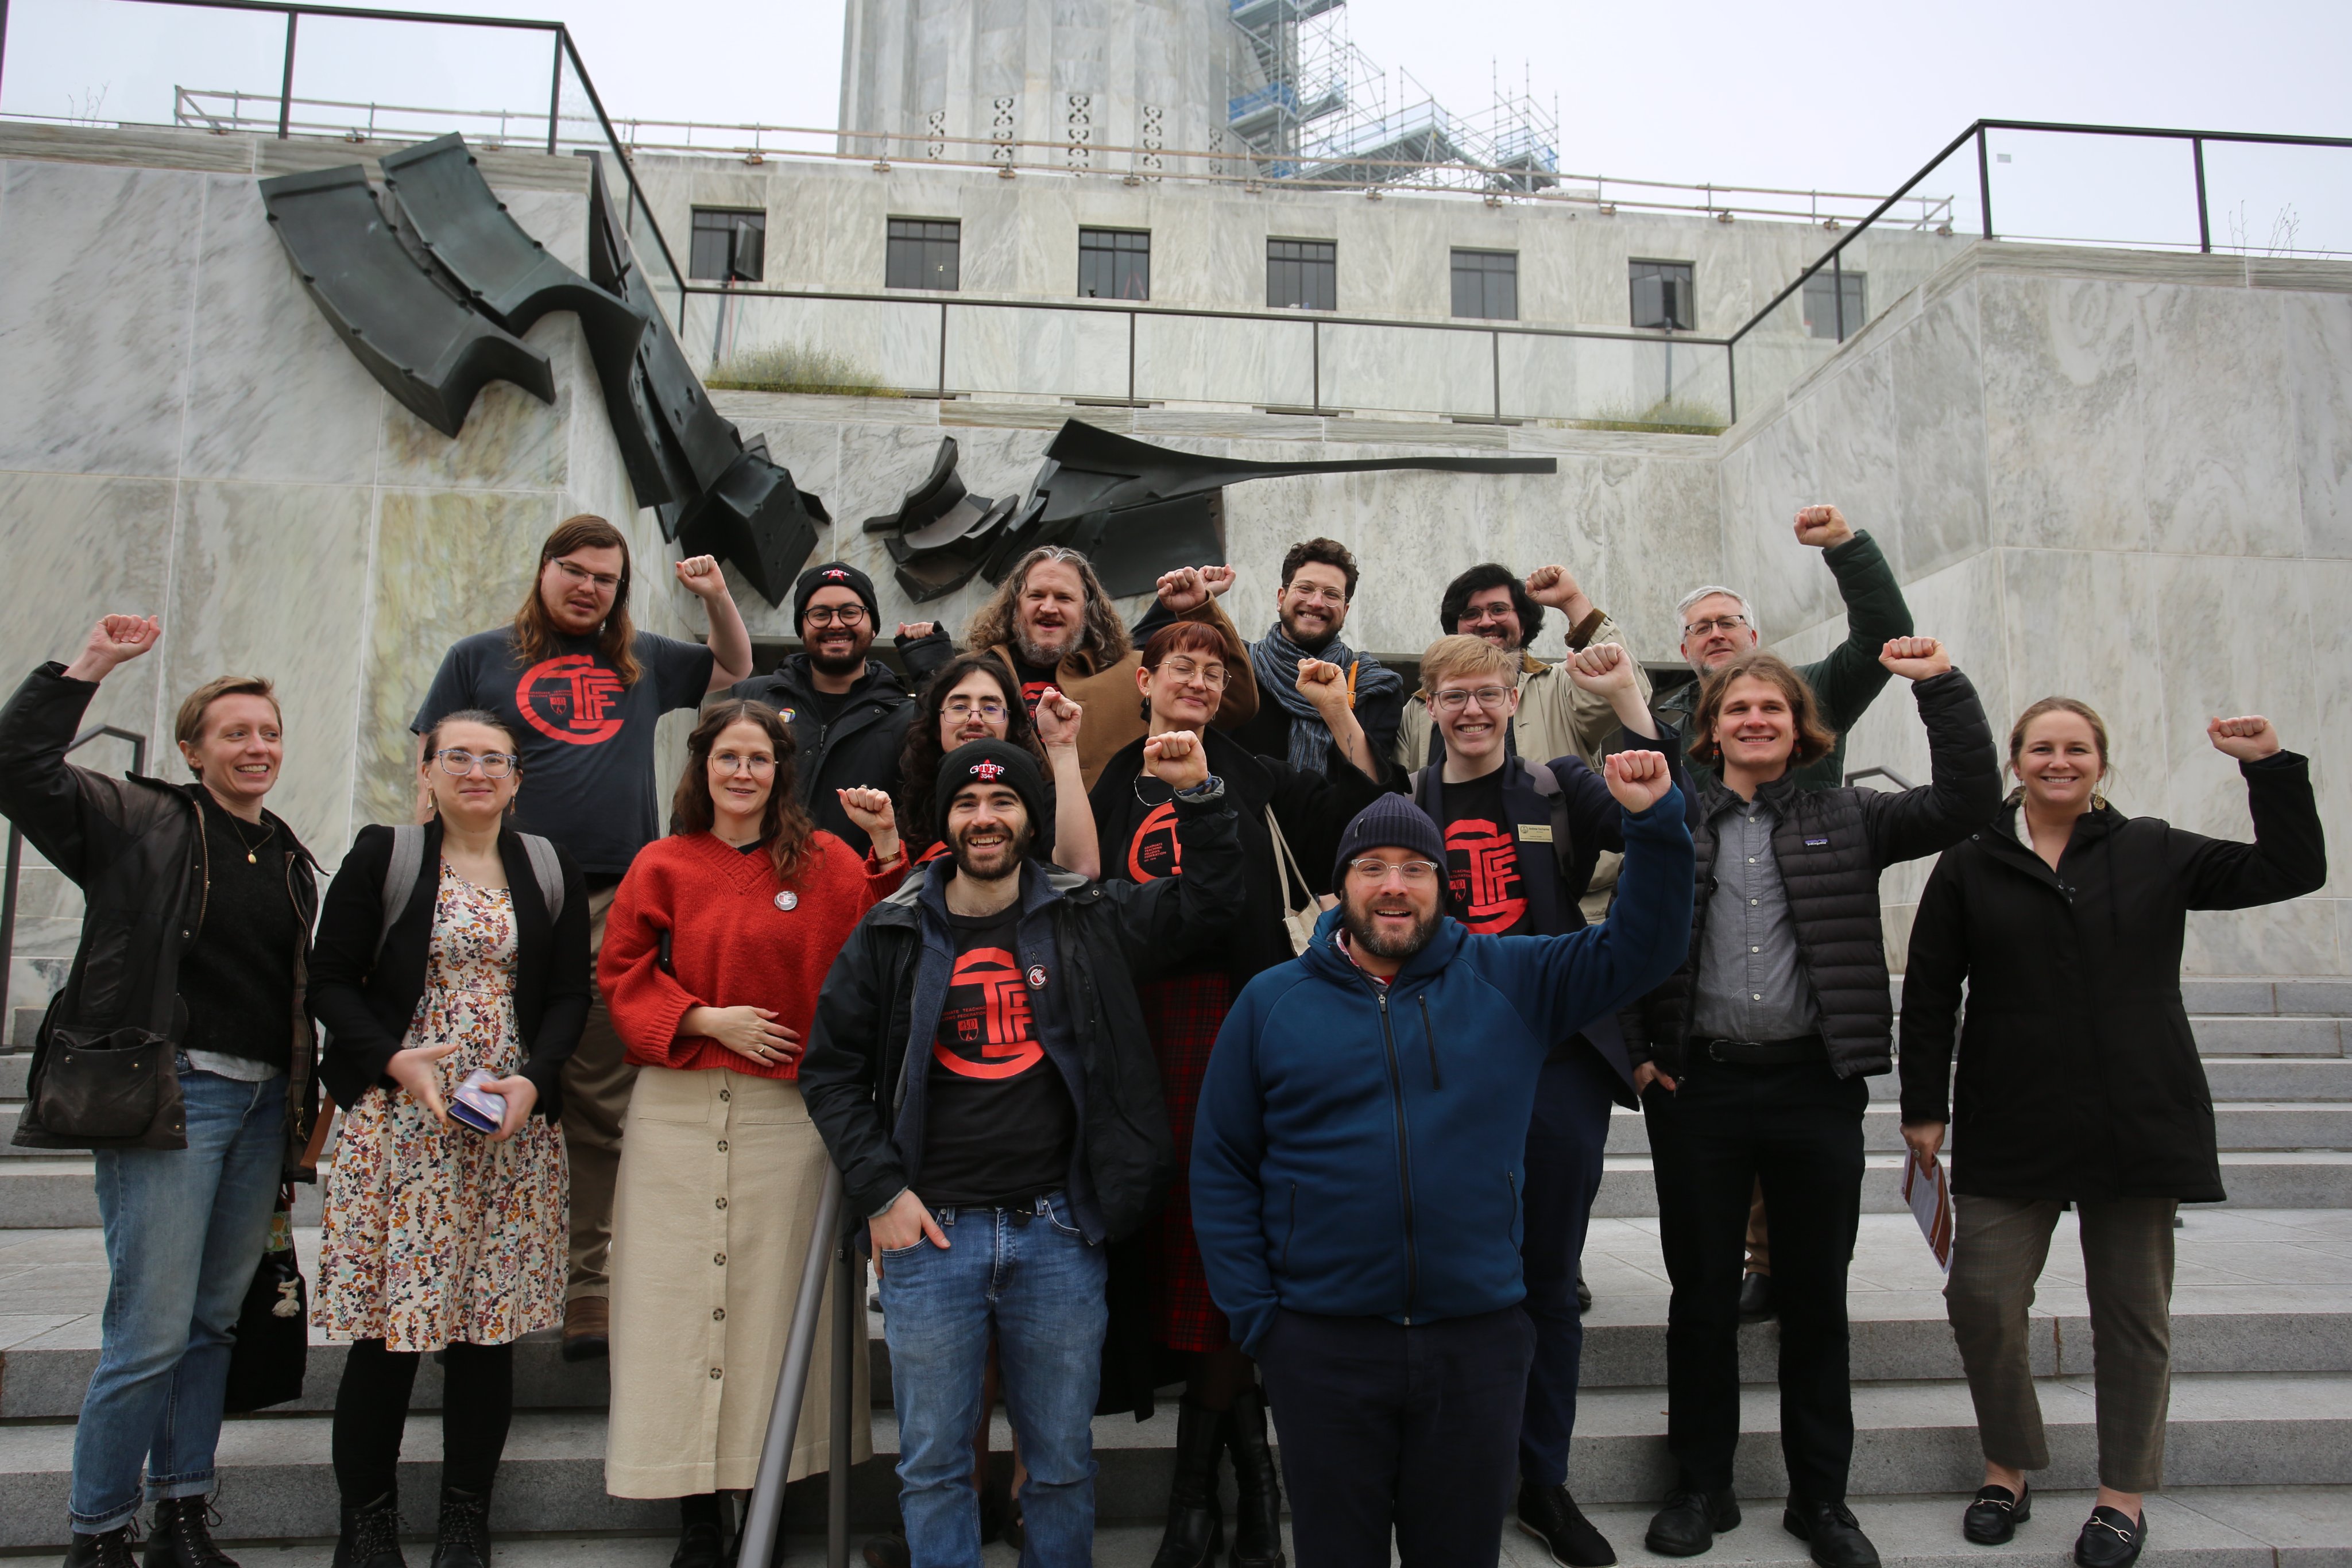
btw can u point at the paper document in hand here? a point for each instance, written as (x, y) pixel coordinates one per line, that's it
(1930, 1198)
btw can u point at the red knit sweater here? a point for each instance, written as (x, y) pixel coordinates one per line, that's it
(730, 943)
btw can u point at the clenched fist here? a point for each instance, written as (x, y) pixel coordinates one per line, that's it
(1324, 685)
(2249, 738)
(1189, 587)
(1176, 758)
(1604, 667)
(699, 575)
(1058, 719)
(1639, 779)
(115, 639)
(1914, 658)
(1553, 585)
(1823, 527)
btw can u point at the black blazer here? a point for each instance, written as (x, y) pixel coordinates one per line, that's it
(367, 1000)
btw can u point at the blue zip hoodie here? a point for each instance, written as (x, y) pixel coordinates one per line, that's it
(1359, 1150)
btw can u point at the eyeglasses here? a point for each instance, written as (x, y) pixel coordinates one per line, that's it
(965, 708)
(456, 763)
(1716, 623)
(1317, 595)
(605, 581)
(836, 615)
(1454, 701)
(757, 764)
(1480, 615)
(1416, 873)
(1184, 672)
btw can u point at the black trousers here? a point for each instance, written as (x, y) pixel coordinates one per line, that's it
(1393, 1431)
(1797, 1129)
(371, 1408)
(1565, 1140)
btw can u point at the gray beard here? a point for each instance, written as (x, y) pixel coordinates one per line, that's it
(1037, 657)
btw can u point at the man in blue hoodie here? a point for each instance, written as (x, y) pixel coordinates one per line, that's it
(1358, 1174)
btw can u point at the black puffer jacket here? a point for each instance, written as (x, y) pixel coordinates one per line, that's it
(2079, 1077)
(135, 847)
(1830, 846)
(860, 747)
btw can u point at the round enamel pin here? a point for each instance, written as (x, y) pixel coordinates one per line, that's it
(1037, 976)
(788, 900)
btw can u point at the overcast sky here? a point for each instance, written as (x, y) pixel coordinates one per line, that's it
(1852, 97)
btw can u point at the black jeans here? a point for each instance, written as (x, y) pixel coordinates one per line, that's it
(371, 1408)
(1388, 1430)
(1565, 1138)
(1799, 1130)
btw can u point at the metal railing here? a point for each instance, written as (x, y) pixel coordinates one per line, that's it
(15, 865)
(1859, 774)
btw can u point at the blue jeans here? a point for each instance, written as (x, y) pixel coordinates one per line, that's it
(184, 1229)
(1031, 1276)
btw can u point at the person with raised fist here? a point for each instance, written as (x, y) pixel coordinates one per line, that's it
(1751, 1061)
(197, 909)
(2079, 1080)
(974, 696)
(993, 1169)
(1358, 1182)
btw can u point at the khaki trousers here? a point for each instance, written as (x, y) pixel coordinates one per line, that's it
(1998, 1247)
(596, 1085)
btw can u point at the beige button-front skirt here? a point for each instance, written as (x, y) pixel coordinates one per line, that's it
(717, 1198)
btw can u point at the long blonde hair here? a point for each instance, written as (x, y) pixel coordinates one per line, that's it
(1102, 640)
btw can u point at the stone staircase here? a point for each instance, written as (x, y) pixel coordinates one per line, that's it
(2259, 1454)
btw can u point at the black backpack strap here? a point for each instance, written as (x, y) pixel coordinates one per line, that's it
(1547, 784)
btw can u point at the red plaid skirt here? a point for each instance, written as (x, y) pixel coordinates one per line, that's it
(1183, 1016)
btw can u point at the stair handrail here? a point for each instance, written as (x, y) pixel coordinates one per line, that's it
(17, 861)
(764, 1514)
(1859, 774)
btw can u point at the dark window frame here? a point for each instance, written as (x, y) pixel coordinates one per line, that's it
(1685, 321)
(1818, 301)
(1117, 264)
(924, 254)
(703, 239)
(1497, 287)
(1302, 279)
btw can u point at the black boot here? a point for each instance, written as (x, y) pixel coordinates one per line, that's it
(109, 1549)
(462, 1539)
(1257, 1483)
(1196, 1526)
(702, 1536)
(370, 1535)
(183, 1537)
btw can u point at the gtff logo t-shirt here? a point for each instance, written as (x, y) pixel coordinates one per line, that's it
(586, 741)
(1482, 858)
(998, 1122)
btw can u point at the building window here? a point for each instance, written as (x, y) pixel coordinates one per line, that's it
(1302, 275)
(1662, 295)
(728, 246)
(923, 253)
(1821, 303)
(1114, 264)
(1487, 283)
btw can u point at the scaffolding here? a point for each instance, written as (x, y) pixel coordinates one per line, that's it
(1307, 104)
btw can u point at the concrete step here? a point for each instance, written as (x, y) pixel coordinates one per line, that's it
(2221, 1034)
(2240, 1127)
(1911, 1439)
(2254, 995)
(2254, 1178)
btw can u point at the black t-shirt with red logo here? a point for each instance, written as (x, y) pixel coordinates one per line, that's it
(998, 1123)
(1035, 679)
(586, 741)
(1482, 858)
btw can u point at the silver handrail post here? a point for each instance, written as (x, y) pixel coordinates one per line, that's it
(848, 1281)
(766, 1512)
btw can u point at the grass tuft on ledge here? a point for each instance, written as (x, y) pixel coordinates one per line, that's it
(1668, 416)
(792, 368)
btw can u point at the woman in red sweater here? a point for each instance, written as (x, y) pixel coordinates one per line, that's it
(717, 941)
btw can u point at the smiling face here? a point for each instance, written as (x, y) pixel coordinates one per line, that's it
(836, 631)
(1393, 914)
(241, 748)
(1049, 614)
(472, 798)
(974, 710)
(578, 588)
(1715, 631)
(2059, 763)
(1755, 729)
(1471, 712)
(1313, 605)
(741, 770)
(1491, 615)
(1184, 691)
(988, 831)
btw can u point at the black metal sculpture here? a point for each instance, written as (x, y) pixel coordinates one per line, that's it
(434, 322)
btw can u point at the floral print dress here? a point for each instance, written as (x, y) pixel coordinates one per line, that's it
(438, 1235)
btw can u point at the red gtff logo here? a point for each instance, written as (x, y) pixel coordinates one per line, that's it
(988, 1035)
(1155, 852)
(1485, 872)
(987, 772)
(572, 699)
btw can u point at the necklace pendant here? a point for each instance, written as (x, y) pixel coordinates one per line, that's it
(249, 860)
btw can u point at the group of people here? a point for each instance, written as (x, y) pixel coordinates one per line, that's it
(1178, 1009)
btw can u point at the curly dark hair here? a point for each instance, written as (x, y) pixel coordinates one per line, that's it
(785, 828)
(1489, 574)
(918, 761)
(1326, 552)
(1814, 738)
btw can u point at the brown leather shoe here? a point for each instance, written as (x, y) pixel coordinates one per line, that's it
(587, 1328)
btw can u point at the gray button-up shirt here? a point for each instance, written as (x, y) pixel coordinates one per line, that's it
(1751, 979)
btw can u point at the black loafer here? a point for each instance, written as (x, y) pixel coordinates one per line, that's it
(1994, 1514)
(1583, 1295)
(1552, 1516)
(1691, 1520)
(1832, 1532)
(1756, 1298)
(2111, 1539)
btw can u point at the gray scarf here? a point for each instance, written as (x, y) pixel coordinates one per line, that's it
(1274, 660)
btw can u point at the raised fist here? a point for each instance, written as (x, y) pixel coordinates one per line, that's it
(117, 640)
(1324, 685)
(1176, 758)
(2249, 738)
(1603, 667)
(1914, 658)
(1639, 779)
(870, 810)
(1822, 526)
(917, 628)
(1552, 585)
(1189, 587)
(1058, 719)
(699, 575)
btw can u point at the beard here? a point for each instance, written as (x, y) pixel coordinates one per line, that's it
(847, 664)
(1356, 921)
(1311, 642)
(1038, 656)
(999, 863)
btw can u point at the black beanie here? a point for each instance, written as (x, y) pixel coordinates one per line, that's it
(989, 762)
(1393, 821)
(834, 574)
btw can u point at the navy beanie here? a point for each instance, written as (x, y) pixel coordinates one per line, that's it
(1393, 821)
(834, 574)
(989, 761)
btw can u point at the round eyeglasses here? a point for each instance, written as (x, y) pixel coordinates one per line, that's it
(456, 763)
